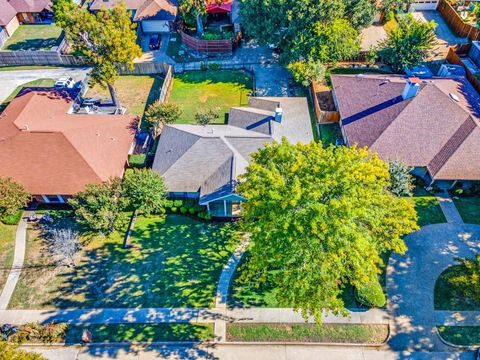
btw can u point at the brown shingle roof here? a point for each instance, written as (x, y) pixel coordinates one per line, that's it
(7, 12)
(144, 9)
(52, 152)
(426, 130)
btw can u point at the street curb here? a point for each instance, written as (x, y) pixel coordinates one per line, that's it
(461, 347)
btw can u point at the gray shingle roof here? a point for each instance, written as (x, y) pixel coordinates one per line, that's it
(209, 159)
(426, 130)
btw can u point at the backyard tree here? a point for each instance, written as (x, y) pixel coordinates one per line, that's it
(160, 114)
(144, 190)
(99, 207)
(205, 117)
(12, 196)
(106, 40)
(401, 181)
(319, 218)
(360, 12)
(305, 72)
(64, 243)
(408, 44)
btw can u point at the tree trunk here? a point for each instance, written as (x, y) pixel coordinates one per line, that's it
(114, 96)
(126, 239)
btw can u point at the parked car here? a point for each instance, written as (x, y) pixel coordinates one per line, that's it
(154, 42)
(65, 82)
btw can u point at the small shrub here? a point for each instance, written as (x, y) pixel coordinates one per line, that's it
(183, 210)
(191, 211)
(12, 219)
(173, 209)
(208, 216)
(201, 215)
(168, 204)
(371, 295)
(215, 66)
(35, 332)
(177, 203)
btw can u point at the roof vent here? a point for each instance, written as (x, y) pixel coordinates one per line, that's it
(454, 97)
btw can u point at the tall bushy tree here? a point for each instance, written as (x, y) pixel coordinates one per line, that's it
(99, 207)
(160, 114)
(12, 196)
(360, 12)
(401, 181)
(144, 190)
(106, 40)
(320, 217)
(304, 72)
(408, 44)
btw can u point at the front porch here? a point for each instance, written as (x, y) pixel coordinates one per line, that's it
(224, 208)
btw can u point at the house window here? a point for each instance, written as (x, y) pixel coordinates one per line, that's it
(53, 199)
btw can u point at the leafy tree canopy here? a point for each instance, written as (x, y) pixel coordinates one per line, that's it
(360, 12)
(304, 72)
(145, 190)
(106, 39)
(320, 217)
(159, 114)
(307, 29)
(408, 44)
(12, 196)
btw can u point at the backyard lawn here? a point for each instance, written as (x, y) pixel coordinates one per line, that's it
(339, 333)
(217, 90)
(7, 239)
(469, 209)
(174, 262)
(36, 83)
(34, 37)
(135, 92)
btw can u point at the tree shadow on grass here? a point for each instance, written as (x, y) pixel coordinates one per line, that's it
(173, 263)
(33, 44)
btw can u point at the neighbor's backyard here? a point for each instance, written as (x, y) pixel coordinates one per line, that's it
(34, 37)
(216, 90)
(174, 262)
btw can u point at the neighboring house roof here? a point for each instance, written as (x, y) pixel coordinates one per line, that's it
(209, 159)
(50, 151)
(143, 9)
(10, 8)
(437, 129)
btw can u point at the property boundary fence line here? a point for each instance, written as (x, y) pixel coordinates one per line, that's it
(209, 46)
(456, 23)
(167, 85)
(453, 57)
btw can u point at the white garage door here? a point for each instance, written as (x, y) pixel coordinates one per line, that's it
(422, 5)
(155, 26)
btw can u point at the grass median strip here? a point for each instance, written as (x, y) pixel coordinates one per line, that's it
(460, 335)
(326, 333)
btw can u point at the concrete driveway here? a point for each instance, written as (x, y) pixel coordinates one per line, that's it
(443, 32)
(9, 80)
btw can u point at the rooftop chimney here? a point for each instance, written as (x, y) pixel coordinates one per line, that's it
(411, 88)
(278, 114)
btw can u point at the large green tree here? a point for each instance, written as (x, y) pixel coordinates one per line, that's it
(307, 29)
(320, 218)
(105, 39)
(160, 114)
(360, 12)
(12, 196)
(408, 43)
(144, 190)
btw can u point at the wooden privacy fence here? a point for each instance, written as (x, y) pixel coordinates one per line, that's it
(146, 68)
(167, 85)
(453, 57)
(207, 47)
(456, 23)
(323, 104)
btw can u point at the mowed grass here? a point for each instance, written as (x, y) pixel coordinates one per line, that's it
(134, 91)
(427, 207)
(7, 248)
(449, 295)
(460, 335)
(334, 333)
(36, 83)
(469, 209)
(34, 37)
(141, 332)
(196, 91)
(174, 262)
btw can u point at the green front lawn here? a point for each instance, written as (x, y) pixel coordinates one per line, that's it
(469, 209)
(36, 83)
(427, 207)
(449, 295)
(334, 333)
(34, 37)
(218, 90)
(135, 92)
(329, 133)
(174, 262)
(141, 332)
(7, 248)
(460, 335)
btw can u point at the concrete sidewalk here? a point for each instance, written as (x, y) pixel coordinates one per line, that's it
(448, 208)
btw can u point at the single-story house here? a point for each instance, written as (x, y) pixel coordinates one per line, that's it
(154, 16)
(54, 152)
(204, 162)
(430, 124)
(16, 12)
